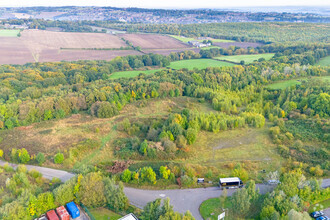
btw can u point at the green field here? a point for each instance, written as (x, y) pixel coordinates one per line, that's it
(246, 58)
(292, 82)
(211, 208)
(130, 74)
(186, 39)
(319, 206)
(325, 61)
(104, 214)
(9, 33)
(198, 63)
(211, 47)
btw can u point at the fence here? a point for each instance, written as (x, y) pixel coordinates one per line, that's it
(87, 211)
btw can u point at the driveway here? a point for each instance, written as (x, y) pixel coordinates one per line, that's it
(327, 212)
(181, 199)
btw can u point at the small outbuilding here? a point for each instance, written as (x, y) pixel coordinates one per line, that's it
(130, 216)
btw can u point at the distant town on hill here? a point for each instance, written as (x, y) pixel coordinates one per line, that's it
(162, 16)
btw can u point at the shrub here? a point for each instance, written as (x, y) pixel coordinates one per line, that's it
(169, 146)
(1, 153)
(115, 196)
(23, 155)
(188, 181)
(144, 147)
(164, 172)
(40, 158)
(181, 141)
(34, 173)
(241, 173)
(316, 171)
(58, 159)
(209, 174)
(8, 168)
(126, 176)
(191, 135)
(148, 174)
(21, 169)
(269, 212)
(65, 192)
(44, 202)
(91, 190)
(241, 202)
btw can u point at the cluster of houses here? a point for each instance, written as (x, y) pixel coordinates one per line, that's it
(199, 44)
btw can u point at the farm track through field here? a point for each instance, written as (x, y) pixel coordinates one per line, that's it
(104, 142)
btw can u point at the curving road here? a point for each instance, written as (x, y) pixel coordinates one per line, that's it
(181, 199)
(48, 173)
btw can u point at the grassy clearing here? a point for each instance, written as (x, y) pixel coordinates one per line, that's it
(49, 137)
(292, 82)
(211, 208)
(104, 214)
(183, 39)
(325, 61)
(198, 63)
(319, 206)
(246, 58)
(186, 39)
(211, 151)
(9, 33)
(130, 74)
(222, 41)
(55, 135)
(211, 47)
(250, 146)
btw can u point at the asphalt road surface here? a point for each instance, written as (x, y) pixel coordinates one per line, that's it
(327, 212)
(181, 199)
(48, 173)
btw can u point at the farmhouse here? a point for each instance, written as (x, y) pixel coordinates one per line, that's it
(198, 44)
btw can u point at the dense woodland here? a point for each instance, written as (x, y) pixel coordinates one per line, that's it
(241, 32)
(250, 32)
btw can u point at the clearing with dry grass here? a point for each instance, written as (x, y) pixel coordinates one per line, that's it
(220, 151)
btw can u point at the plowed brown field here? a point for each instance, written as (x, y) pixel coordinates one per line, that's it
(154, 41)
(51, 39)
(48, 46)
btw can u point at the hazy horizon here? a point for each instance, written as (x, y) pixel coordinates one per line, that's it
(170, 4)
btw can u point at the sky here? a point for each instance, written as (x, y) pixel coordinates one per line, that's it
(164, 3)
